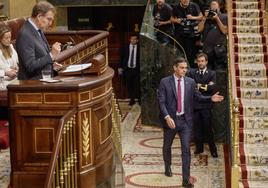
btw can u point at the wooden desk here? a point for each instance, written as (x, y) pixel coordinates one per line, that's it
(35, 110)
(3, 98)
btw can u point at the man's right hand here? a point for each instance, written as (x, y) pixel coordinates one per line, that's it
(120, 71)
(170, 122)
(55, 50)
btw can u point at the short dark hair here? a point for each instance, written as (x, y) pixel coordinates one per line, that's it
(202, 54)
(179, 60)
(42, 7)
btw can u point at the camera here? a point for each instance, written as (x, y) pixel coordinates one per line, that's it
(211, 13)
(157, 20)
(187, 27)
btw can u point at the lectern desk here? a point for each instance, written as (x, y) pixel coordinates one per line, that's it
(35, 110)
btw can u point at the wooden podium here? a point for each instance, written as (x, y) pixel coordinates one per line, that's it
(39, 118)
(35, 112)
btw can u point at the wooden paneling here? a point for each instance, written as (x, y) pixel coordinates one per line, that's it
(119, 21)
(33, 127)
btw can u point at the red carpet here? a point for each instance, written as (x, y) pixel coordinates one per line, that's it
(4, 136)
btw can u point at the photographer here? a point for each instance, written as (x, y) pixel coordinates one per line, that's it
(214, 28)
(162, 13)
(185, 17)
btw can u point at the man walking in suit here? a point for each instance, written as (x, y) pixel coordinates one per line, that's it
(130, 67)
(32, 47)
(176, 97)
(206, 80)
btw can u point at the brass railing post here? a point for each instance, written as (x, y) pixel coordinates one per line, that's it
(235, 144)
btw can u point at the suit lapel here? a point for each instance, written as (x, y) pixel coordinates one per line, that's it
(186, 88)
(36, 34)
(172, 84)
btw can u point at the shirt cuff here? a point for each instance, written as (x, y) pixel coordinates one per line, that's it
(167, 116)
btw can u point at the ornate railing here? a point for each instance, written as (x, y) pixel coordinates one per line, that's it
(62, 172)
(233, 102)
(116, 131)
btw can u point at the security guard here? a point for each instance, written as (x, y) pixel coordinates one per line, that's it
(205, 80)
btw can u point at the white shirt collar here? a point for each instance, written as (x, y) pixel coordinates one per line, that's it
(33, 24)
(176, 78)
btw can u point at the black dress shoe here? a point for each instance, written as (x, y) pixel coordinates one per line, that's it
(214, 154)
(187, 184)
(168, 171)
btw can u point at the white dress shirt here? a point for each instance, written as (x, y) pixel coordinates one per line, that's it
(182, 92)
(135, 55)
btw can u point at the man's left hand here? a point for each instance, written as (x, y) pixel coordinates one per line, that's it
(216, 97)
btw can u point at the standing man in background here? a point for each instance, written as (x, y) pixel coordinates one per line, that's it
(32, 46)
(162, 13)
(214, 29)
(130, 68)
(176, 95)
(185, 17)
(205, 80)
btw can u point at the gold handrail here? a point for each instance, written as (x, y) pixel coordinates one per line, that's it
(62, 166)
(173, 39)
(233, 101)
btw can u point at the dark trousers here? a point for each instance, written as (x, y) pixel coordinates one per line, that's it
(184, 130)
(132, 76)
(188, 44)
(203, 130)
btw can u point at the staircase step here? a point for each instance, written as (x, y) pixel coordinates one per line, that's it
(250, 48)
(255, 173)
(253, 122)
(254, 108)
(248, 29)
(254, 38)
(246, 5)
(255, 58)
(248, 21)
(252, 136)
(253, 93)
(254, 154)
(253, 184)
(248, 70)
(245, 13)
(251, 82)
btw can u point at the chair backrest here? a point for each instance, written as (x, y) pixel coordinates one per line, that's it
(15, 25)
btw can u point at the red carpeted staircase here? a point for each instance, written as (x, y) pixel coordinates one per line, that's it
(251, 64)
(4, 136)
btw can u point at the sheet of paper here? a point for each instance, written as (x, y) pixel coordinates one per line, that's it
(78, 67)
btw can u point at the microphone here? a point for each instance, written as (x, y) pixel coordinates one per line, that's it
(77, 54)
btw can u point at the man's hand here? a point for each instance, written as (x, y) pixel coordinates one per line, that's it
(57, 66)
(55, 50)
(190, 17)
(198, 86)
(216, 97)
(120, 71)
(170, 122)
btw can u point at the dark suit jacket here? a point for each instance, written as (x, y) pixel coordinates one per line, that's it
(33, 54)
(167, 97)
(208, 76)
(125, 55)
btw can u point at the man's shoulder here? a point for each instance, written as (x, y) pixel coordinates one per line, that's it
(167, 6)
(188, 79)
(166, 79)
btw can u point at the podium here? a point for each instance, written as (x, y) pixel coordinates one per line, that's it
(39, 119)
(35, 112)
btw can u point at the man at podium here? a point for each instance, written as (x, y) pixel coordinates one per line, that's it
(33, 49)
